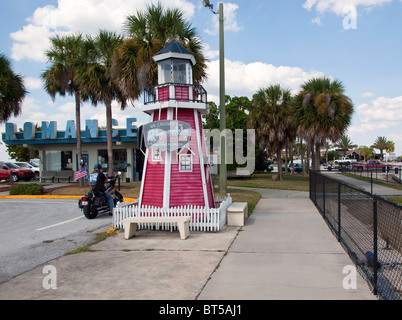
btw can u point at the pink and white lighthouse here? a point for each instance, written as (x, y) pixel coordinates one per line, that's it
(176, 167)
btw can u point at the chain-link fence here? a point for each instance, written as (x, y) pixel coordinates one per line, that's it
(368, 226)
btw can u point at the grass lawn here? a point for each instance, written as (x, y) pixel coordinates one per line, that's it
(398, 200)
(269, 180)
(132, 190)
(128, 190)
(238, 195)
(258, 180)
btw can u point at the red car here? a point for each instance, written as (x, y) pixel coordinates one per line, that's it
(371, 164)
(11, 171)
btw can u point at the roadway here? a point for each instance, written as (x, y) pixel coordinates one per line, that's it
(35, 231)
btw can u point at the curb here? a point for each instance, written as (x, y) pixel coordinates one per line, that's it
(50, 197)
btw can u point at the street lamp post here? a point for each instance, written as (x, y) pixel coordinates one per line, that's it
(222, 108)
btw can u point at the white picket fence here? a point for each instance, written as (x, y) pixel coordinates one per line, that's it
(203, 219)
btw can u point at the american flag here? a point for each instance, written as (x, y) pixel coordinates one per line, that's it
(81, 174)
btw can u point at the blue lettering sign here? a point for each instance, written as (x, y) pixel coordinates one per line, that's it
(49, 130)
(29, 131)
(92, 128)
(70, 130)
(115, 133)
(11, 129)
(131, 127)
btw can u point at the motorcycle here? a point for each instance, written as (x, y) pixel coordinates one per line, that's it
(95, 202)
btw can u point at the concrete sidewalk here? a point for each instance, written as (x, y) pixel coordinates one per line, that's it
(285, 251)
(377, 188)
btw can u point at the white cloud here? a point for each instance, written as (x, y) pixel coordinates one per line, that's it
(208, 52)
(72, 16)
(33, 83)
(367, 95)
(30, 43)
(340, 7)
(380, 115)
(230, 17)
(382, 109)
(68, 107)
(246, 79)
(29, 105)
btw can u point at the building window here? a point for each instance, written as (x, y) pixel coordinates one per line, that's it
(119, 160)
(58, 160)
(185, 163)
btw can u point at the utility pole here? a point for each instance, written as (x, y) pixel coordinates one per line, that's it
(222, 106)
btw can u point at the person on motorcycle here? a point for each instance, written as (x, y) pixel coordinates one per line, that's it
(100, 186)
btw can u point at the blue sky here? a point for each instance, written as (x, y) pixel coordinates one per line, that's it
(266, 42)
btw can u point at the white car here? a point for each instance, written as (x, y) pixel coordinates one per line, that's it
(30, 165)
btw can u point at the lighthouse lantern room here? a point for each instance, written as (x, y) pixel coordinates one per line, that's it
(176, 167)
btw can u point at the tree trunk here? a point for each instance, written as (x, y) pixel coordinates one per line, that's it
(311, 155)
(279, 163)
(109, 138)
(78, 133)
(317, 156)
(286, 157)
(304, 167)
(291, 152)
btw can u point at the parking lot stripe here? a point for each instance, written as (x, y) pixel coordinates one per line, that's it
(58, 224)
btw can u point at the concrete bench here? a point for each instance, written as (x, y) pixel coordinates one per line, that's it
(64, 174)
(47, 175)
(237, 213)
(130, 224)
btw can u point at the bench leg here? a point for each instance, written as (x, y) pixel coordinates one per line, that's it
(129, 229)
(184, 230)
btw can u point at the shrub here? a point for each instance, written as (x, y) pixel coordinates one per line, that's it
(30, 188)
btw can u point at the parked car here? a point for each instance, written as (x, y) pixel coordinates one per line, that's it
(10, 171)
(371, 165)
(29, 165)
(4, 173)
(270, 168)
(296, 166)
(34, 162)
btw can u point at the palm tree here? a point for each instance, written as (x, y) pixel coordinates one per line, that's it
(270, 118)
(322, 112)
(98, 81)
(147, 33)
(381, 144)
(12, 90)
(366, 152)
(327, 147)
(390, 147)
(345, 144)
(66, 56)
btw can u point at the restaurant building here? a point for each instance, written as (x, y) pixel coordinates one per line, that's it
(57, 149)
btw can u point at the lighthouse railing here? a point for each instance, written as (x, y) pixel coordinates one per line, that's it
(176, 92)
(202, 219)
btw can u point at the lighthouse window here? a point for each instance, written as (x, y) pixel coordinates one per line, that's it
(185, 163)
(156, 154)
(165, 72)
(179, 72)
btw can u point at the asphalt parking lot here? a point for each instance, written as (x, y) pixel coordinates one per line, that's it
(35, 231)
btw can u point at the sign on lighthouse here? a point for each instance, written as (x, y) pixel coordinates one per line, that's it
(176, 171)
(167, 135)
